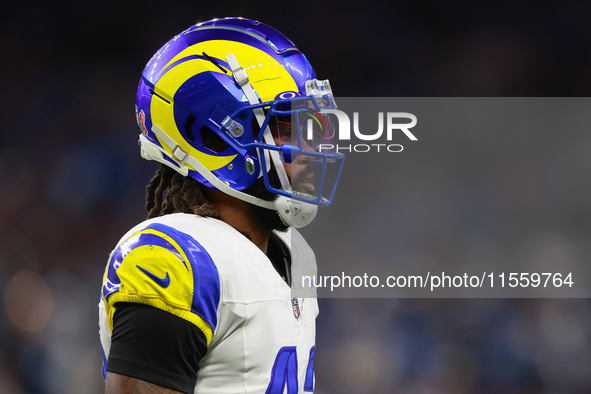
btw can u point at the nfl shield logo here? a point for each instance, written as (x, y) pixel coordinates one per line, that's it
(296, 307)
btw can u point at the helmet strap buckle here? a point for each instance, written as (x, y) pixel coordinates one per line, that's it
(180, 154)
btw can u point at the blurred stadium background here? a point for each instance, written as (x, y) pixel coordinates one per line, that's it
(72, 182)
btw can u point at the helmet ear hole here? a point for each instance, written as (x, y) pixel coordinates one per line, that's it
(189, 128)
(212, 141)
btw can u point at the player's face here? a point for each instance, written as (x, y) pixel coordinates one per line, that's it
(301, 170)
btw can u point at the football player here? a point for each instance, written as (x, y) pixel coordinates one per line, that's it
(206, 295)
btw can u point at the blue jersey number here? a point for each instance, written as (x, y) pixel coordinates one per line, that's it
(285, 372)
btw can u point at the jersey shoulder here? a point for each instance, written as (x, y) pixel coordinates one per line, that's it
(156, 264)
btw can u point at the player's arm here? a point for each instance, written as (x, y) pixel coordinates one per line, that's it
(153, 351)
(121, 384)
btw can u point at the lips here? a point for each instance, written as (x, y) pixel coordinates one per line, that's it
(305, 185)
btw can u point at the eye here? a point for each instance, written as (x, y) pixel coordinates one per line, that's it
(284, 131)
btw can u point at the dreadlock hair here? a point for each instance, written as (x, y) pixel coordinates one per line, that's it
(170, 192)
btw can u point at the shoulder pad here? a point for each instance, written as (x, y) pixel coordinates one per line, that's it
(167, 269)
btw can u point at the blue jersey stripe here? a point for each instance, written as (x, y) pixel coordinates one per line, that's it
(206, 281)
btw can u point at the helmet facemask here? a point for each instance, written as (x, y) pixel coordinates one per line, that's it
(297, 140)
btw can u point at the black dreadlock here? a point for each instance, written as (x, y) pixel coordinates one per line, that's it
(183, 194)
(170, 192)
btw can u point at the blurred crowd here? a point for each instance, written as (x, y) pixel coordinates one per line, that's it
(72, 182)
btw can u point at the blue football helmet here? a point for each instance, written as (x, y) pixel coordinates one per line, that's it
(230, 100)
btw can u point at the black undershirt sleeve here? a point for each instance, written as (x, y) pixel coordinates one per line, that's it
(155, 346)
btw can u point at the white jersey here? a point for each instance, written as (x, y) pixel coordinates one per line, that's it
(260, 336)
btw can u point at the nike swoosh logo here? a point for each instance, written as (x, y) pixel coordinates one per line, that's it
(162, 282)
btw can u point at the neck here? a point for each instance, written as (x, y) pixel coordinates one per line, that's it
(239, 214)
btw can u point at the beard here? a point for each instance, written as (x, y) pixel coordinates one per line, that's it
(266, 218)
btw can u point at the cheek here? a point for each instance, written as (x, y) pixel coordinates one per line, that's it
(306, 146)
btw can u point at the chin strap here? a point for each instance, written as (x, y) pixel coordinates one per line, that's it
(180, 159)
(295, 213)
